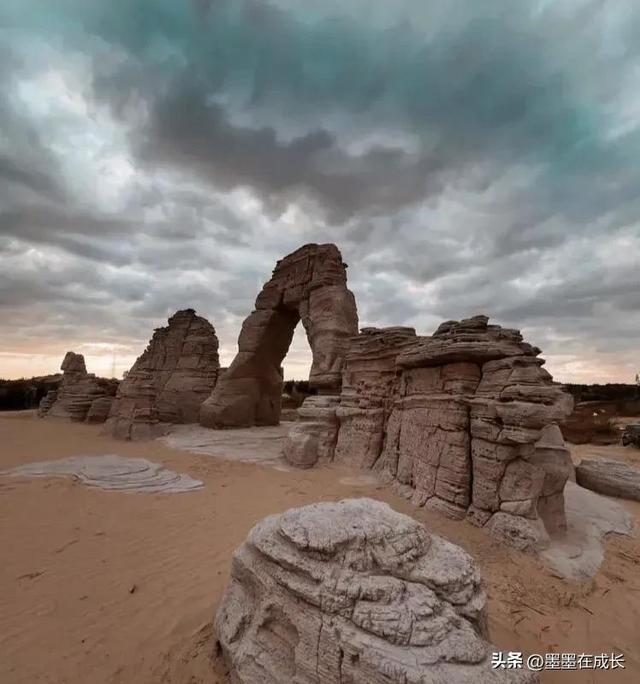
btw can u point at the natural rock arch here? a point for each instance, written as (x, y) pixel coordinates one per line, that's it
(309, 285)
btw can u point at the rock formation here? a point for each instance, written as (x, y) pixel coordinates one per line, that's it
(463, 421)
(99, 410)
(169, 381)
(77, 392)
(308, 285)
(613, 478)
(110, 472)
(47, 402)
(355, 592)
(313, 437)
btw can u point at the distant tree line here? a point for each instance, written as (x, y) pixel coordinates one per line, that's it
(26, 393)
(298, 387)
(608, 392)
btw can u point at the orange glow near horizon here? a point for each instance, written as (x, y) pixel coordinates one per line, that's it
(16, 365)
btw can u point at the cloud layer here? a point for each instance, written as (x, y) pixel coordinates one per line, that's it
(466, 157)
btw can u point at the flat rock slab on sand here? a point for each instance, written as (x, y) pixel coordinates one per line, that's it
(610, 477)
(260, 445)
(590, 517)
(111, 472)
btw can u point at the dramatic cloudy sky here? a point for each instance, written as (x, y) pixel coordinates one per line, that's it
(466, 156)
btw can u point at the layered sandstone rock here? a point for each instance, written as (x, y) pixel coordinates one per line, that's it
(77, 392)
(169, 381)
(369, 389)
(308, 285)
(463, 421)
(99, 410)
(47, 402)
(312, 438)
(613, 478)
(354, 592)
(473, 431)
(110, 472)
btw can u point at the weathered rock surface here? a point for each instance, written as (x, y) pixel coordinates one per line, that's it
(464, 421)
(308, 285)
(47, 402)
(613, 478)
(474, 432)
(262, 446)
(354, 592)
(77, 392)
(313, 437)
(99, 410)
(112, 472)
(369, 389)
(169, 381)
(590, 518)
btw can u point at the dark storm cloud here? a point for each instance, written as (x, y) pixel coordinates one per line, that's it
(491, 85)
(467, 157)
(186, 132)
(27, 166)
(13, 172)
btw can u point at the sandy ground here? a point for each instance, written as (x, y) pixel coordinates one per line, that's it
(99, 586)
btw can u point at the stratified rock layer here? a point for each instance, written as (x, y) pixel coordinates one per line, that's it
(308, 285)
(99, 410)
(312, 438)
(77, 392)
(47, 402)
(369, 391)
(354, 592)
(110, 472)
(464, 421)
(169, 382)
(613, 478)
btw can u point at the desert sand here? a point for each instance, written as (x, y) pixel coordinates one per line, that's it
(108, 586)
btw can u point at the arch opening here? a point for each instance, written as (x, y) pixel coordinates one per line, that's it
(309, 286)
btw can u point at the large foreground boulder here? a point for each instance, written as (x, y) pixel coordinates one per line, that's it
(613, 478)
(354, 592)
(169, 381)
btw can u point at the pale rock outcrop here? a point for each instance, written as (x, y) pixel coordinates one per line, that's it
(369, 389)
(312, 438)
(169, 381)
(606, 476)
(288, 414)
(463, 421)
(349, 427)
(111, 472)
(473, 431)
(77, 392)
(310, 286)
(99, 410)
(355, 592)
(47, 402)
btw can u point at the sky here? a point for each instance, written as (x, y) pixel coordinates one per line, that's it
(466, 157)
